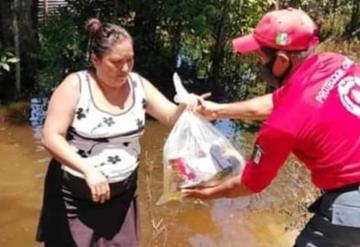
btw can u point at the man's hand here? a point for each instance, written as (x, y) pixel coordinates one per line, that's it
(206, 108)
(209, 109)
(231, 187)
(196, 101)
(204, 193)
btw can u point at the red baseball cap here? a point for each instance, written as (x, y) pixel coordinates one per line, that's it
(286, 29)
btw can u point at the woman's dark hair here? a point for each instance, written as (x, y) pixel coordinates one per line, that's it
(104, 35)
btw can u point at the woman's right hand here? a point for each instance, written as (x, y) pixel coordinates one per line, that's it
(98, 184)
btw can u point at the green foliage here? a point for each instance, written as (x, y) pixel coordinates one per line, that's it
(63, 42)
(163, 30)
(238, 75)
(62, 47)
(332, 16)
(7, 58)
(333, 25)
(58, 54)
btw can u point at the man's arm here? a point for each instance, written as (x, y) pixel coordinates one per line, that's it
(270, 151)
(257, 108)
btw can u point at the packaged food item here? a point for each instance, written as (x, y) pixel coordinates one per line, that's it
(196, 154)
(207, 168)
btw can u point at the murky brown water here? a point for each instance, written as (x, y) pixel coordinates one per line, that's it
(271, 219)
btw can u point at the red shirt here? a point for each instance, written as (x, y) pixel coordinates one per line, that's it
(316, 116)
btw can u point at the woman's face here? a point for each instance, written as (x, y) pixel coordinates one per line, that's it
(114, 66)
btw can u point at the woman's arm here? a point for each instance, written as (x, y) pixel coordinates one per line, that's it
(60, 114)
(159, 107)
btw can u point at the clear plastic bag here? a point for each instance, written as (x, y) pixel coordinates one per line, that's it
(196, 153)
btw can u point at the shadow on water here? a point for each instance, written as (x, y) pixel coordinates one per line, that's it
(272, 218)
(269, 219)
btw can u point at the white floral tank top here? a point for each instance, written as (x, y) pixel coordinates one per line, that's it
(109, 142)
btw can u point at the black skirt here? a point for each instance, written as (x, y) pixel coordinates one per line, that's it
(70, 218)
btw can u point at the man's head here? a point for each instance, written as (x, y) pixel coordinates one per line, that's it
(280, 37)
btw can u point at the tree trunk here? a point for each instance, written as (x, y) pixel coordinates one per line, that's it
(28, 40)
(334, 5)
(116, 11)
(354, 22)
(6, 38)
(218, 54)
(17, 46)
(46, 10)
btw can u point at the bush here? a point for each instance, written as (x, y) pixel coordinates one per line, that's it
(61, 50)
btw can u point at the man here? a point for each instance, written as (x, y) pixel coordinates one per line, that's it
(315, 114)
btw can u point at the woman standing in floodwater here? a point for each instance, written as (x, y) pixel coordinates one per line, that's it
(94, 122)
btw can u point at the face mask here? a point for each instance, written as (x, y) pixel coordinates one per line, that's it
(266, 74)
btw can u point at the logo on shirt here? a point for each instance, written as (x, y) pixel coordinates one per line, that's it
(256, 155)
(331, 81)
(349, 92)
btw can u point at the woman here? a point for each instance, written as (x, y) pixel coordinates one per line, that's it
(94, 122)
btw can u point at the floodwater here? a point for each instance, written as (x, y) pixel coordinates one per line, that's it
(271, 219)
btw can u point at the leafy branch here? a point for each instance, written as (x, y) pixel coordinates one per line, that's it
(7, 58)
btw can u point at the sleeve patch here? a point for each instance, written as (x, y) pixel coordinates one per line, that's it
(256, 154)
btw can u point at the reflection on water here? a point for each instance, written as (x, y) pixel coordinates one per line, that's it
(223, 222)
(38, 107)
(233, 133)
(21, 173)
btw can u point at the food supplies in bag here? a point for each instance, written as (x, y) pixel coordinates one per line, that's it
(195, 153)
(203, 168)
